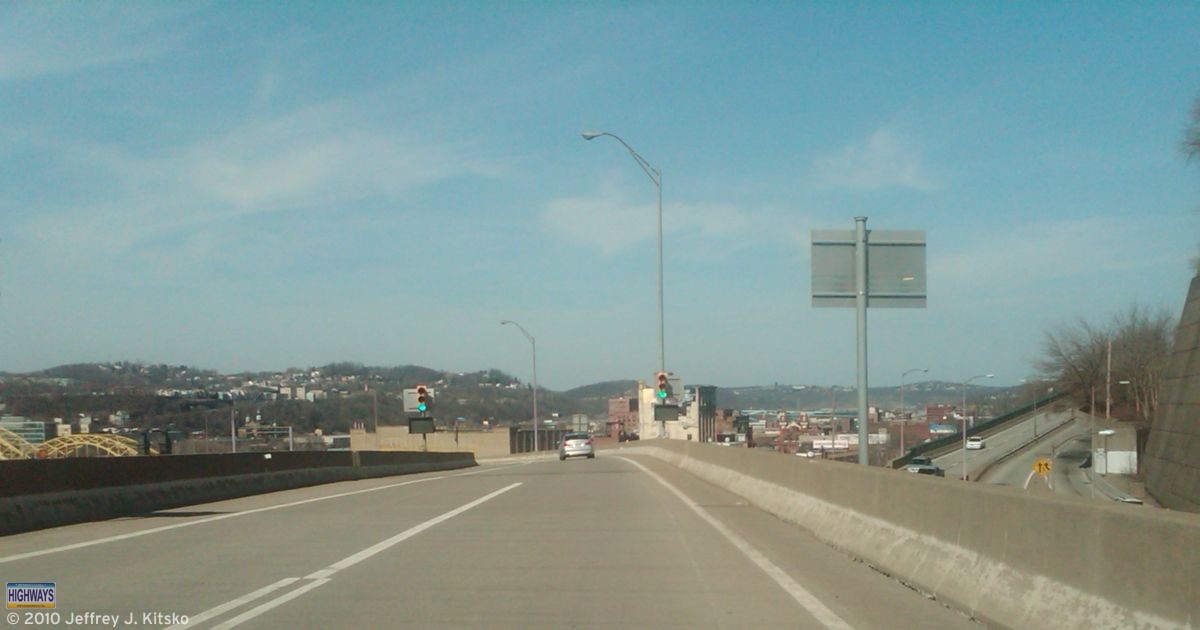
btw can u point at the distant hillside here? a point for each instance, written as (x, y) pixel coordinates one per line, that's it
(104, 388)
(605, 390)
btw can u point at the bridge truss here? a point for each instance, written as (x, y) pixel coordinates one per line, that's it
(13, 446)
(89, 445)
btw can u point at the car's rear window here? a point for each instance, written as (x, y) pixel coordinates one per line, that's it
(576, 436)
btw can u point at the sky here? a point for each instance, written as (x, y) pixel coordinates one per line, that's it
(256, 186)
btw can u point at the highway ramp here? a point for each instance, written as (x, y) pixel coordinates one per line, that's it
(619, 541)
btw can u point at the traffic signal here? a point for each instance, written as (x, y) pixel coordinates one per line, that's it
(664, 388)
(422, 398)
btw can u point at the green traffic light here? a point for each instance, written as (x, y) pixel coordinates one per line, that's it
(421, 407)
(662, 393)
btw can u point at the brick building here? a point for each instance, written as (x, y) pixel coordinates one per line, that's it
(622, 415)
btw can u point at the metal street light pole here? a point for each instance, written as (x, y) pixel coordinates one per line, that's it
(964, 421)
(1049, 390)
(533, 344)
(1035, 402)
(903, 420)
(655, 176)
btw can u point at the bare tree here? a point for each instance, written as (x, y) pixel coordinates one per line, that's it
(1191, 146)
(1191, 141)
(1074, 356)
(1141, 345)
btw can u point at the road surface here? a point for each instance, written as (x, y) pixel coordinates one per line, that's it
(618, 541)
(1001, 443)
(1067, 450)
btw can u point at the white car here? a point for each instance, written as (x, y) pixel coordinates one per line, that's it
(576, 445)
(975, 443)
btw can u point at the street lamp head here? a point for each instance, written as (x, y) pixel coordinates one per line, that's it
(505, 322)
(989, 375)
(588, 135)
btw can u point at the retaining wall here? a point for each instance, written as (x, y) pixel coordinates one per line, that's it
(1009, 558)
(1172, 457)
(36, 494)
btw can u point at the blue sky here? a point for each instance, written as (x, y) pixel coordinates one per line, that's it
(256, 186)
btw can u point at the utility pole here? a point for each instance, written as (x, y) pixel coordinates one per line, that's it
(1108, 384)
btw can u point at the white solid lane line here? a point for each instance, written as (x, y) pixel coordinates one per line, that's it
(234, 603)
(413, 531)
(164, 528)
(265, 606)
(810, 602)
(322, 577)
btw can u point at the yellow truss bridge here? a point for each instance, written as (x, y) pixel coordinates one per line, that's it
(13, 446)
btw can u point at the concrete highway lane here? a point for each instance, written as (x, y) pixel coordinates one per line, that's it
(1067, 450)
(1001, 443)
(618, 541)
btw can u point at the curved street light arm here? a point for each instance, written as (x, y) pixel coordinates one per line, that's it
(654, 174)
(533, 346)
(528, 336)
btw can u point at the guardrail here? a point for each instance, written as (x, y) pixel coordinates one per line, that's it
(981, 427)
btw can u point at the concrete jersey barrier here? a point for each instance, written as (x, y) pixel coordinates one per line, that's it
(1007, 558)
(62, 492)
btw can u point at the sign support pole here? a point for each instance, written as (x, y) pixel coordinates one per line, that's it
(860, 290)
(841, 278)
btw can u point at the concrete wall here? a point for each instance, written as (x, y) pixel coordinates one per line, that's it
(1172, 457)
(493, 443)
(1009, 558)
(37, 494)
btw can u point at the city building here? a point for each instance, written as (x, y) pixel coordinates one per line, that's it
(32, 431)
(696, 405)
(940, 413)
(622, 415)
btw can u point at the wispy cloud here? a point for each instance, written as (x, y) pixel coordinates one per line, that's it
(611, 225)
(602, 222)
(1037, 253)
(47, 38)
(883, 160)
(326, 155)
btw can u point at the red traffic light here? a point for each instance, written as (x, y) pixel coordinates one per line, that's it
(422, 398)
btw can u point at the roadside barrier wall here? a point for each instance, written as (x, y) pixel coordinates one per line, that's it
(1171, 462)
(36, 494)
(1006, 557)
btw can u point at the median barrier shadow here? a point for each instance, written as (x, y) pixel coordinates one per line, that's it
(48, 493)
(190, 514)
